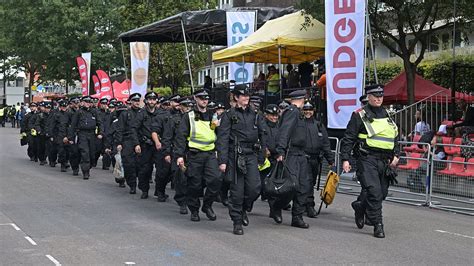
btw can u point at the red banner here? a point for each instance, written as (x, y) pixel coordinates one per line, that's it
(121, 90)
(82, 67)
(96, 81)
(106, 85)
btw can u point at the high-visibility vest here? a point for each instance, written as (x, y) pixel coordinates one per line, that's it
(2, 111)
(381, 132)
(201, 136)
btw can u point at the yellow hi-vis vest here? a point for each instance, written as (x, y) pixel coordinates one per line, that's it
(381, 132)
(2, 111)
(201, 136)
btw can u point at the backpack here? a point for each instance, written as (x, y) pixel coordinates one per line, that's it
(329, 191)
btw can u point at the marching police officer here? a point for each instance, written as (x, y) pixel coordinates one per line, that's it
(111, 131)
(71, 144)
(292, 141)
(99, 149)
(58, 131)
(125, 144)
(195, 141)
(240, 138)
(317, 146)
(84, 125)
(373, 131)
(28, 128)
(42, 130)
(147, 150)
(271, 138)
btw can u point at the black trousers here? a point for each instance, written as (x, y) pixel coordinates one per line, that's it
(297, 164)
(202, 166)
(32, 147)
(162, 173)
(99, 149)
(41, 147)
(245, 190)
(74, 155)
(180, 181)
(313, 172)
(130, 163)
(86, 145)
(146, 160)
(63, 154)
(371, 174)
(52, 148)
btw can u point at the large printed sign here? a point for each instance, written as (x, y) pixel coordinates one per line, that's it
(140, 55)
(96, 81)
(345, 27)
(105, 85)
(88, 58)
(82, 67)
(239, 26)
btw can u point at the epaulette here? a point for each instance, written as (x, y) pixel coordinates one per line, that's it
(358, 110)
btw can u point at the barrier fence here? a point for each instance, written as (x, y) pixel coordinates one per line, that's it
(423, 178)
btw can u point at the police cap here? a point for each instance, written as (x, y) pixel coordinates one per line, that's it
(104, 101)
(62, 103)
(283, 105)
(202, 93)
(298, 94)
(185, 101)
(151, 95)
(220, 106)
(112, 104)
(86, 99)
(376, 90)
(241, 89)
(47, 105)
(211, 105)
(363, 99)
(175, 98)
(33, 104)
(135, 97)
(271, 109)
(74, 100)
(308, 106)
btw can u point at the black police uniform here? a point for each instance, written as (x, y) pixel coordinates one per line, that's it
(29, 123)
(318, 145)
(271, 138)
(371, 165)
(41, 130)
(84, 125)
(201, 165)
(110, 142)
(145, 124)
(72, 150)
(122, 137)
(99, 143)
(58, 131)
(106, 157)
(51, 145)
(241, 134)
(292, 140)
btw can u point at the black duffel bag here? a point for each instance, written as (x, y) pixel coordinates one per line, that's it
(280, 181)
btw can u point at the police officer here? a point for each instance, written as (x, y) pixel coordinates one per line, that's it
(72, 147)
(373, 131)
(195, 141)
(317, 146)
(240, 137)
(146, 124)
(99, 149)
(292, 141)
(125, 144)
(41, 130)
(271, 133)
(26, 127)
(87, 128)
(58, 131)
(111, 129)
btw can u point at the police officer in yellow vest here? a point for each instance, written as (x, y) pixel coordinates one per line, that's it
(195, 148)
(374, 136)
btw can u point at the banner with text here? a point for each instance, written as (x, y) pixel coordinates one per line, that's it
(82, 67)
(88, 58)
(96, 81)
(140, 55)
(105, 85)
(239, 26)
(345, 30)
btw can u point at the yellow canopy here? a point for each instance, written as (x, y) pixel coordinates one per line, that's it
(297, 44)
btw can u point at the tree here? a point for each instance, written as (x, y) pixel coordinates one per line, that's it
(401, 25)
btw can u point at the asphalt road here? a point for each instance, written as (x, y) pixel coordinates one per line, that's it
(48, 217)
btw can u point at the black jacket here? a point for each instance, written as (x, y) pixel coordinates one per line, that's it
(123, 131)
(317, 140)
(292, 127)
(85, 120)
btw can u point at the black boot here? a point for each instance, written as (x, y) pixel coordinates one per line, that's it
(52, 164)
(378, 231)
(245, 219)
(183, 209)
(238, 230)
(133, 190)
(359, 213)
(195, 216)
(85, 175)
(43, 163)
(225, 202)
(287, 207)
(161, 197)
(311, 211)
(209, 212)
(75, 172)
(63, 168)
(144, 195)
(297, 221)
(276, 215)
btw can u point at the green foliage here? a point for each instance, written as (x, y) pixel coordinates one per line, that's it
(163, 91)
(388, 71)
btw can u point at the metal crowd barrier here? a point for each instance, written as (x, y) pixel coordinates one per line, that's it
(420, 182)
(325, 166)
(452, 184)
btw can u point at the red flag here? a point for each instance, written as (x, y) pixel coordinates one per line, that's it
(122, 90)
(96, 84)
(82, 67)
(106, 85)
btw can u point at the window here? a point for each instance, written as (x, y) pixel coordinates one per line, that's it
(434, 43)
(226, 72)
(446, 41)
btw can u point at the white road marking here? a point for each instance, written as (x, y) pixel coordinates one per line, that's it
(31, 240)
(53, 260)
(454, 234)
(130, 263)
(15, 226)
